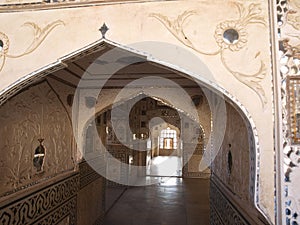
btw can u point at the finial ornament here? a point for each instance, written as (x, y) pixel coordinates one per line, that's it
(103, 30)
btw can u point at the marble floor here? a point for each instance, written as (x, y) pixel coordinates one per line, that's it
(174, 201)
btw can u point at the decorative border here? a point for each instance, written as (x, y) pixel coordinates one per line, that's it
(28, 80)
(66, 210)
(221, 208)
(288, 54)
(293, 104)
(87, 174)
(38, 207)
(100, 220)
(22, 5)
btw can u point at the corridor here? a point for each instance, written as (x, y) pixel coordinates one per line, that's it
(173, 201)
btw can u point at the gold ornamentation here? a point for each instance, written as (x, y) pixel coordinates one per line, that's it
(247, 15)
(39, 36)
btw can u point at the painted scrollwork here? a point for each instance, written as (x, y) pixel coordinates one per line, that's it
(229, 35)
(39, 36)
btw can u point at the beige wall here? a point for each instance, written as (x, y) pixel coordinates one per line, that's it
(237, 137)
(58, 33)
(90, 203)
(33, 114)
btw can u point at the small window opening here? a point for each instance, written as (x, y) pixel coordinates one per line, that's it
(39, 155)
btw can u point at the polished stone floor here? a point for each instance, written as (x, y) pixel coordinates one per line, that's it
(175, 201)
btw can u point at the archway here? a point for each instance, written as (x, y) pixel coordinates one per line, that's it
(80, 62)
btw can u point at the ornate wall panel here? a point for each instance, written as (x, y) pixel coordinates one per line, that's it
(33, 114)
(120, 153)
(222, 211)
(49, 205)
(87, 174)
(288, 18)
(236, 141)
(227, 209)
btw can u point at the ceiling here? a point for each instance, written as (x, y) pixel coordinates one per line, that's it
(114, 68)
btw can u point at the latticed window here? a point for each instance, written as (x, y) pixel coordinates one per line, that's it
(168, 139)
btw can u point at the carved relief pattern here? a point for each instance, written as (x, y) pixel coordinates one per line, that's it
(247, 15)
(39, 36)
(224, 211)
(22, 83)
(33, 114)
(241, 179)
(214, 217)
(99, 221)
(36, 207)
(67, 209)
(120, 153)
(87, 174)
(288, 19)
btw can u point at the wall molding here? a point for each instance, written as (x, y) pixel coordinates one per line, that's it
(48, 205)
(87, 174)
(225, 210)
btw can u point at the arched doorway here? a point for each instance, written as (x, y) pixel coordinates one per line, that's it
(237, 155)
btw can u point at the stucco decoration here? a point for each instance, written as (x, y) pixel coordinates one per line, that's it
(38, 37)
(31, 115)
(230, 35)
(288, 18)
(293, 17)
(236, 140)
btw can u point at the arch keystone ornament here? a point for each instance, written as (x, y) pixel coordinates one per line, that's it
(103, 30)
